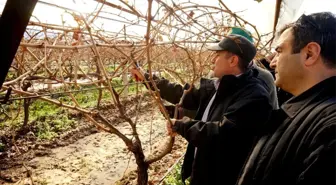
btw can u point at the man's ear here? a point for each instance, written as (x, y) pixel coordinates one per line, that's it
(312, 51)
(234, 61)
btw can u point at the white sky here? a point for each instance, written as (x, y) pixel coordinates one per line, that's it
(260, 14)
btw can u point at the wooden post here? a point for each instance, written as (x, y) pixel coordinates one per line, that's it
(13, 23)
(125, 82)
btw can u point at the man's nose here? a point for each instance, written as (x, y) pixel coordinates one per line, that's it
(213, 60)
(273, 62)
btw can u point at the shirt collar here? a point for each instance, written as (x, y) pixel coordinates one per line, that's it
(297, 103)
(216, 83)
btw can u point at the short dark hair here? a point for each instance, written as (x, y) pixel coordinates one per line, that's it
(242, 64)
(319, 28)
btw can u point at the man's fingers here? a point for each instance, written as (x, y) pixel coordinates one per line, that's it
(136, 74)
(173, 134)
(169, 127)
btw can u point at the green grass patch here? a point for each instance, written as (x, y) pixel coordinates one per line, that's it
(49, 119)
(50, 126)
(175, 178)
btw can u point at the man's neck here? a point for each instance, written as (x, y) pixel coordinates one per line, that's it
(310, 81)
(237, 72)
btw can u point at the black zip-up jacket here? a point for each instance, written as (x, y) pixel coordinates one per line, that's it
(299, 146)
(240, 108)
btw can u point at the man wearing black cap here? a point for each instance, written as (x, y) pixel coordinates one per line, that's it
(230, 112)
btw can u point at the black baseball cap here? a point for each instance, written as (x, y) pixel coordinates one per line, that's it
(236, 44)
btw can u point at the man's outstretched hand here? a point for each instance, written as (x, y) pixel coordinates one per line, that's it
(136, 74)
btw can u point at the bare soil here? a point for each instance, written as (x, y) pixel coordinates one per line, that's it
(87, 156)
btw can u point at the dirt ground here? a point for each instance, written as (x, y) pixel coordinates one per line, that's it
(99, 158)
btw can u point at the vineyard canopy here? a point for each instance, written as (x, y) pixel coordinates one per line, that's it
(117, 21)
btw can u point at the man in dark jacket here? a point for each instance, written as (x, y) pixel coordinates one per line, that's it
(299, 146)
(230, 111)
(264, 76)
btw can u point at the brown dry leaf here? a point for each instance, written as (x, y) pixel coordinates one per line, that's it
(191, 14)
(75, 35)
(74, 43)
(24, 48)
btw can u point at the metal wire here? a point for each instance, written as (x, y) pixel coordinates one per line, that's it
(73, 91)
